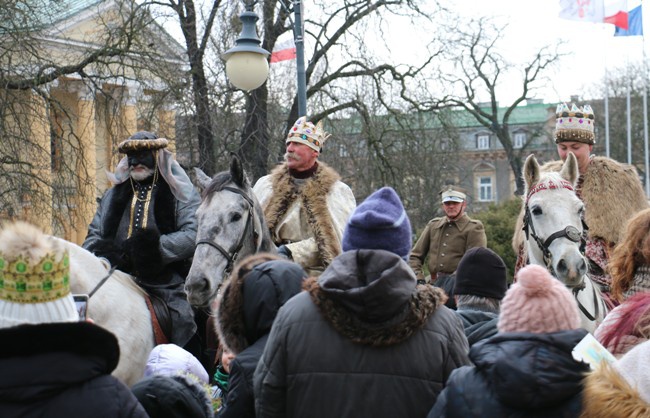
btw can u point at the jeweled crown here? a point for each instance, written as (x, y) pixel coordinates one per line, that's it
(306, 133)
(574, 124)
(23, 281)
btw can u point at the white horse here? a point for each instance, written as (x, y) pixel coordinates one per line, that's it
(231, 226)
(554, 233)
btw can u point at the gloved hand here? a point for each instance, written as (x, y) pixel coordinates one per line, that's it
(144, 250)
(285, 252)
(106, 248)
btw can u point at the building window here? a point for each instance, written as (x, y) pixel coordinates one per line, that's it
(519, 140)
(483, 142)
(485, 189)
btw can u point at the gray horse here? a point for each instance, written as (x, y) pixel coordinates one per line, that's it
(231, 226)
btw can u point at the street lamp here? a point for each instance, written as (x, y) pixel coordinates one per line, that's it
(244, 66)
(247, 66)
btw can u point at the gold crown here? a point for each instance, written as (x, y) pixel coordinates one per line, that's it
(305, 132)
(24, 282)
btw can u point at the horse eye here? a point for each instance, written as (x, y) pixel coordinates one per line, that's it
(537, 210)
(235, 217)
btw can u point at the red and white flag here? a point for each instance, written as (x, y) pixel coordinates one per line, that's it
(597, 11)
(283, 51)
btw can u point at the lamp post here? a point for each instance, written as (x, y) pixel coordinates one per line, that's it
(243, 62)
(247, 66)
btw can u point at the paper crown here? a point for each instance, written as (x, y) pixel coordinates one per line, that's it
(304, 132)
(576, 124)
(34, 278)
(43, 281)
(142, 141)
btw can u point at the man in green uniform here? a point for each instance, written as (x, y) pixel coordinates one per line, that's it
(445, 239)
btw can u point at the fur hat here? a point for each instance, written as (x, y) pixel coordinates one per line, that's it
(141, 141)
(304, 132)
(538, 303)
(379, 223)
(576, 124)
(481, 272)
(633, 367)
(34, 278)
(170, 359)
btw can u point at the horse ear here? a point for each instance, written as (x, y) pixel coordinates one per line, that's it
(202, 179)
(569, 170)
(237, 171)
(531, 171)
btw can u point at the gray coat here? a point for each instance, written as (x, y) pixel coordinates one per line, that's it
(364, 341)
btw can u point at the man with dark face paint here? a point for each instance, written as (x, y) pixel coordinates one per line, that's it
(146, 226)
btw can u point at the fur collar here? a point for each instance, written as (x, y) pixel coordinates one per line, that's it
(423, 303)
(607, 394)
(605, 185)
(313, 197)
(164, 208)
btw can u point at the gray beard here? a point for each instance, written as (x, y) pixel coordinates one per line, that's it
(143, 175)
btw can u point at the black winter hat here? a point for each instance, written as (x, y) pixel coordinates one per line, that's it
(481, 272)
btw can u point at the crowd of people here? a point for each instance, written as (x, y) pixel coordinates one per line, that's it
(352, 317)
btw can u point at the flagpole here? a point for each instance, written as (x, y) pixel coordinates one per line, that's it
(645, 121)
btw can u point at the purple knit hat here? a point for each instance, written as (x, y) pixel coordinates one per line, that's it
(379, 223)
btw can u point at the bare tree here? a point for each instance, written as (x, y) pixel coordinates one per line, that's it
(477, 74)
(338, 64)
(47, 77)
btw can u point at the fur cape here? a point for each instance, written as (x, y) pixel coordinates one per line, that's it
(607, 394)
(313, 198)
(422, 305)
(612, 194)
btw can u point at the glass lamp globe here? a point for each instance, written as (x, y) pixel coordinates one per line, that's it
(247, 70)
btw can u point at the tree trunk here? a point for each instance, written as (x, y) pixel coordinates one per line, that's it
(202, 118)
(254, 146)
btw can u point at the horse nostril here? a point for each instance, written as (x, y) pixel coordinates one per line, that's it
(582, 268)
(199, 285)
(562, 267)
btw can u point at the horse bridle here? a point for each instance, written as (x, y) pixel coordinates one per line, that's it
(569, 232)
(231, 256)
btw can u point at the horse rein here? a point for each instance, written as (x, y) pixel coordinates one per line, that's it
(101, 282)
(569, 232)
(232, 256)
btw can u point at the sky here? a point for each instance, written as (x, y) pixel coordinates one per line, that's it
(592, 49)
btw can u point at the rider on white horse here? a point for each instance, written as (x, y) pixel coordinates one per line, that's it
(603, 185)
(146, 226)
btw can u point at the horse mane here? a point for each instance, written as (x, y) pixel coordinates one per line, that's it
(23, 239)
(219, 181)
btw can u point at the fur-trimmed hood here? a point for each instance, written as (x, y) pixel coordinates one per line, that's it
(605, 185)
(371, 297)
(607, 394)
(252, 297)
(314, 194)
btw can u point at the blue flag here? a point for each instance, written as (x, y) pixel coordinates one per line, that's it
(634, 22)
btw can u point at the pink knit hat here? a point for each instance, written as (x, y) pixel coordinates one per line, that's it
(538, 303)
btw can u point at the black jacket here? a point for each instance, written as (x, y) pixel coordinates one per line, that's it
(62, 370)
(478, 325)
(517, 375)
(364, 342)
(249, 306)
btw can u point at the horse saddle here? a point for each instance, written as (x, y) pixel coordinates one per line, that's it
(160, 319)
